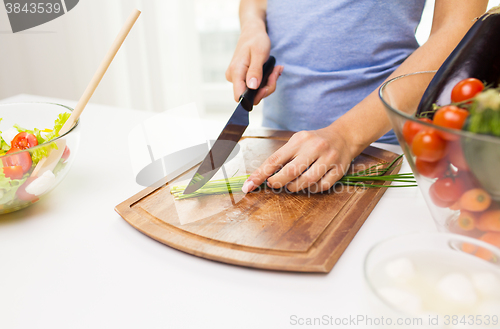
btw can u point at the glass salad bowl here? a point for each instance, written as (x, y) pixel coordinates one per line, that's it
(457, 171)
(29, 134)
(426, 280)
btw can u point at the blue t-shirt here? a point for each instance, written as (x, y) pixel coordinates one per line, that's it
(335, 53)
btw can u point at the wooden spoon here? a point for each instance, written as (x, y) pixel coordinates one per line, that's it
(49, 163)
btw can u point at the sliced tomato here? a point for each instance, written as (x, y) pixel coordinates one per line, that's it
(66, 153)
(451, 117)
(13, 172)
(466, 89)
(12, 150)
(22, 159)
(429, 146)
(411, 128)
(21, 191)
(23, 141)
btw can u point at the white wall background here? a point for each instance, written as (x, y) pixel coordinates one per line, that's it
(176, 54)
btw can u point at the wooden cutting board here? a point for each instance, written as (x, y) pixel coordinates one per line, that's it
(277, 231)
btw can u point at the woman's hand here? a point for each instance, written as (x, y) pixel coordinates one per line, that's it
(245, 69)
(312, 160)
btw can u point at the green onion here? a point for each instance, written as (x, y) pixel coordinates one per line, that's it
(218, 186)
(372, 174)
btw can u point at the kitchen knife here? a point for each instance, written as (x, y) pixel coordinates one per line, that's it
(230, 135)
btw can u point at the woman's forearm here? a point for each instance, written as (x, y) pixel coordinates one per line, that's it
(253, 12)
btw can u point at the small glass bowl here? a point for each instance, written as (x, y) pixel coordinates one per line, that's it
(408, 277)
(13, 195)
(470, 161)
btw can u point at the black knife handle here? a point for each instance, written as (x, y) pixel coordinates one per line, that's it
(248, 96)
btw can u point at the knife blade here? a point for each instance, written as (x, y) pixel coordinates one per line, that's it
(230, 135)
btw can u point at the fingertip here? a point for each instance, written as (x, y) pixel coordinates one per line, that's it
(248, 186)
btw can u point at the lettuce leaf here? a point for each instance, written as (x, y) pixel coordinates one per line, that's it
(4, 147)
(60, 121)
(8, 187)
(21, 129)
(42, 152)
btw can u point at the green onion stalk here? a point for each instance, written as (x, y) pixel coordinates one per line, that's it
(372, 177)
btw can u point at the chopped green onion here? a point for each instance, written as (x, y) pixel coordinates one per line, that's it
(360, 178)
(218, 186)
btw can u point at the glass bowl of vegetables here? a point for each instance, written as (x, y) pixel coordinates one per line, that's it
(453, 149)
(34, 158)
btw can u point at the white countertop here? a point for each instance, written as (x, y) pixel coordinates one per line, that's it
(71, 261)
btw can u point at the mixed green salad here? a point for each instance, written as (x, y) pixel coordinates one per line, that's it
(19, 157)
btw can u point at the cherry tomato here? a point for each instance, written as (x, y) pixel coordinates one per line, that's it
(21, 191)
(13, 172)
(437, 200)
(466, 89)
(66, 153)
(432, 169)
(451, 117)
(449, 189)
(411, 128)
(456, 156)
(428, 146)
(22, 159)
(23, 141)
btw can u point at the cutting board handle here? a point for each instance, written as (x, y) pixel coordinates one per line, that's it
(248, 96)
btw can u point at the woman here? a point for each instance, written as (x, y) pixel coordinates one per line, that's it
(336, 54)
